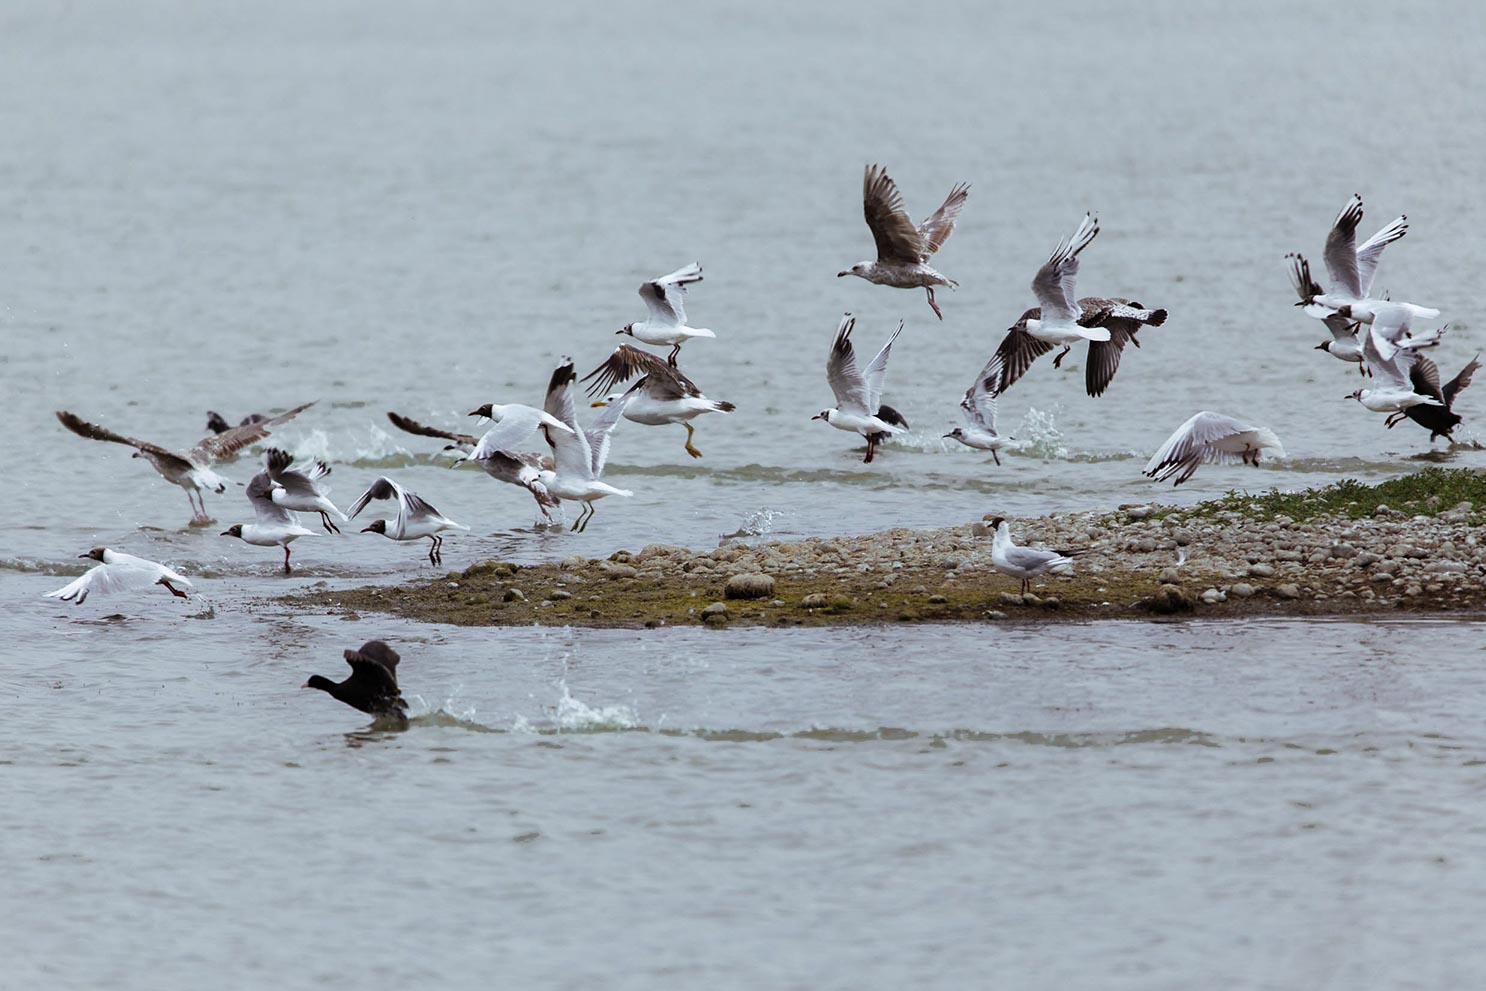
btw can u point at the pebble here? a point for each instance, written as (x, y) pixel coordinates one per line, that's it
(1213, 596)
(1287, 591)
(749, 586)
(617, 570)
(559, 595)
(514, 595)
(994, 614)
(716, 612)
(1242, 590)
(938, 600)
(1261, 571)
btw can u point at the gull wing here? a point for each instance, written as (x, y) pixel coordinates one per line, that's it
(602, 427)
(265, 510)
(1372, 249)
(1054, 283)
(296, 481)
(120, 575)
(627, 361)
(210, 450)
(1104, 356)
(382, 488)
(935, 231)
(516, 424)
(665, 297)
(848, 384)
(414, 427)
(571, 453)
(1018, 350)
(898, 241)
(1341, 252)
(1424, 376)
(1305, 287)
(1453, 387)
(1192, 445)
(979, 404)
(877, 372)
(93, 431)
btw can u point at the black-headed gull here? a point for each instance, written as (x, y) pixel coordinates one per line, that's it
(1210, 438)
(978, 409)
(858, 393)
(115, 572)
(372, 684)
(1350, 269)
(512, 425)
(415, 518)
(903, 250)
(1345, 344)
(1391, 349)
(664, 395)
(521, 468)
(579, 455)
(665, 298)
(301, 489)
(274, 525)
(192, 469)
(1024, 563)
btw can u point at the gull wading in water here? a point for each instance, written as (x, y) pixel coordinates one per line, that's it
(1345, 344)
(1025, 563)
(664, 395)
(859, 406)
(372, 684)
(521, 468)
(300, 489)
(191, 470)
(1209, 438)
(116, 572)
(665, 297)
(415, 519)
(275, 526)
(1350, 270)
(978, 409)
(1392, 351)
(903, 250)
(579, 455)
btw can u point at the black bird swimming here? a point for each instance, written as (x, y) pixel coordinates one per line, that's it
(372, 687)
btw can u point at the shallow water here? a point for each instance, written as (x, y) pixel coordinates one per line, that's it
(380, 209)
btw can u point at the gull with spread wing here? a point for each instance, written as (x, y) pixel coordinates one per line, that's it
(274, 526)
(579, 455)
(1440, 420)
(903, 250)
(301, 489)
(1345, 344)
(1350, 270)
(1210, 438)
(665, 298)
(191, 470)
(1391, 350)
(978, 409)
(116, 572)
(521, 468)
(859, 408)
(664, 395)
(415, 519)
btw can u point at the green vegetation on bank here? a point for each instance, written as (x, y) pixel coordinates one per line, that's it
(1424, 493)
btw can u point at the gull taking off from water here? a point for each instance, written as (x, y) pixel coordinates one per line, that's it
(191, 470)
(859, 406)
(275, 526)
(1391, 351)
(512, 467)
(579, 455)
(116, 572)
(1344, 345)
(903, 250)
(300, 489)
(1351, 269)
(978, 409)
(1439, 420)
(664, 395)
(1209, 438)
(415, 520)
(1025, 563)
(665, 297)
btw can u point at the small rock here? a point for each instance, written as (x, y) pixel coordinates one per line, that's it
(1261, 571)
(574, 563)
(938, 600)
(1212, 596)
(514, 595)
(453, 584)
(621, 557)
(1139, 512)
(1241, 591)
(559, 595)
(1052, 602)
(993, 614)
(717, 610)
(815, 600)
(749, 586)
(617, 570)
(1171, 599)
(1344, 551)
(1287, 591)
(1031, 600)
(1010, 599)
(1170, 576)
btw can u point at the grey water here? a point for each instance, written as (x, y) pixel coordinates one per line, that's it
(387, 207)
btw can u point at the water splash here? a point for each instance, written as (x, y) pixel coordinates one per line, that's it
(758, 523)
(575, 715)
(1039, 436)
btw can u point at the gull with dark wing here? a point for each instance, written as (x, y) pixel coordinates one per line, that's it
(217, 423)
(1440, 420)
(1391, 350)
(664, 395)
(372, 685)
(859, 407)
(1350, 270)
(1210, 438)
(273, 526)
(978, 409)
(1025, 563)
(300, 489)
(192, 469)
(415, 519)
(903, 250)
(579, 455)
(1345, 344)
(116, 572)
(665, 298)
(521, 468)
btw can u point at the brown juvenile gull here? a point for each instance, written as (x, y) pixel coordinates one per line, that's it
(521, 468)
(903, 250)
(664, 395)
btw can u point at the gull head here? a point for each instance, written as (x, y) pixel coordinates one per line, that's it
(628, 328)
(1356, 395)
(998, 523)
(378, 526)
(1323, 346)
(1344, 311)
(859, 270)
(96, 554)
(235, 530)
(546, 477)
(487, 411)
(610, 398)
(956, 433)
(824, 414)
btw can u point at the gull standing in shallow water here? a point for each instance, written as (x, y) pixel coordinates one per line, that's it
(1210, 438)
(978, 409)
(116, 572)
(300, 490)
(665, 298)
(903, 250)
(415, 520)
(191, 470)
(521, 468)
(664, 395)
(579, 455)
(1025, 563)
(1351, 269)
(859, 406)
(275, 526)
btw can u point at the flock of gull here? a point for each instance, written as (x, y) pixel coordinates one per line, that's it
(1375, 334)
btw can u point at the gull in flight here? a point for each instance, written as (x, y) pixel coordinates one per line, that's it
(1209, 438)
(191, 470)
(1391, 350)
(512, 467)
(978, 409)
(116, 572)
(664, 395)
(859, 406)
(579, 455)
(1350, 270)
(274, 525)
(1025, 563)
(665, 297)
(1440, 420)
(1345, 344)
(511, 426)
(415, 520)
(372, 685)
(903, 250)
(300, 489)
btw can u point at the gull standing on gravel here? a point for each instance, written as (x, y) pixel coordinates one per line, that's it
(664, 395)
(116, 572)
(579, 455)
(415, 520)
(1345, 344)
(1025, 563)
(1391, 350)
(859, 407)
(191, 470)
(978, 409)
(300, 489)
(275, 526)
(1210, 438)
(1351, 269)
(665, 297)
(521, 468)
(903, 250)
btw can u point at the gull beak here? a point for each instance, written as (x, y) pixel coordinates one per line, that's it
(946, 435)
(85, 555)
(1319, 347)
(620, 331)
(224, 533)
(366, 529)
(305, 685)
(839, 274)
(597, 404)
(816, 417)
